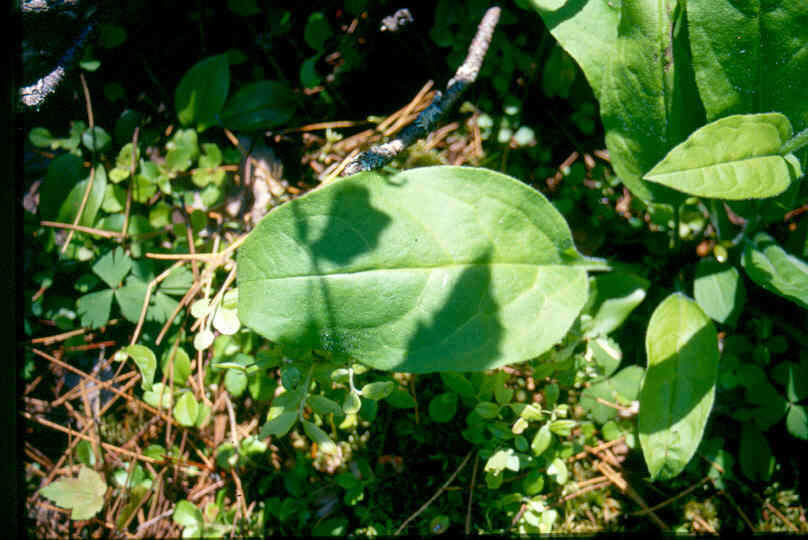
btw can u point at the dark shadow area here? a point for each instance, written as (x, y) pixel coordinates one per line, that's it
(564, 13)
(690, 381)
(465, 328)
(353, 228)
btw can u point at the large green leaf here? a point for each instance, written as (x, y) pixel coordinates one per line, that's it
(771, 267)
(64, 187)
(737, 157)
(649, 101)
(679, 386)
(433, 269)
(586, 29)
(260, 105)
(750, 56)
(202, 91)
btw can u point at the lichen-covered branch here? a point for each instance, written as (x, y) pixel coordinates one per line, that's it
(380, 155)
(34, 95)
(42, 6)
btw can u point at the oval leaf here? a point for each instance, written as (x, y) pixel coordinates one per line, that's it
(735, 158)
(679, 386)
(201, 94)
(771, 267)
(433, 269)
(146, 362)
(718, 290)
(260, 105)
(186, 410)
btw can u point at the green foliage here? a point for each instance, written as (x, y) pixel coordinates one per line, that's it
(679, 387)
(379, 268)
(84, 495)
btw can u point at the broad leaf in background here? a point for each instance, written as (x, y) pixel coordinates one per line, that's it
(83, 495)
(750, 57)
(595, 19)
(771, 267)
(621, 390)
(679, 386)
(616, 294)
(259, 105)
(202, 91)
(649, 102)
(718, 290)
(755, 454)
(737, 157)
(433, 269)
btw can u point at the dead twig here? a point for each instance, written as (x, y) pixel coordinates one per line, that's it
(435, 496)
(378, 156)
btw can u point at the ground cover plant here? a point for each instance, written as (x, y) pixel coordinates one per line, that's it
(243, 317)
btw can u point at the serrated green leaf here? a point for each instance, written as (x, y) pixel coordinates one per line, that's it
(130, 298)
(177, 282)
(777, 271)
(733, 158)
(186, 410)
(443, 407)
(94, 308)
(621, 389)
(202, 91)
(740, 67)
(718, 290)
(112, 267)
(146, 362)
(84, 495)
(260, 105)
(434, 269)
(679, 387)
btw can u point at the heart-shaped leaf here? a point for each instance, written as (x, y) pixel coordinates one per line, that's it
(737, 157)
(433, 269)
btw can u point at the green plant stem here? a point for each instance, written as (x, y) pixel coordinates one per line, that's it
(797, 142)
(306, 384)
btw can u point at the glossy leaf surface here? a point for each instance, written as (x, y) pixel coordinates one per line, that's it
(732, 158)
(202, 91)
(718, 290)
(679, 386)
(433, 269)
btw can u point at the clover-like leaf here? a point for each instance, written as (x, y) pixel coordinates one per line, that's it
(433, 269)
(83, 495)
(94, 308)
